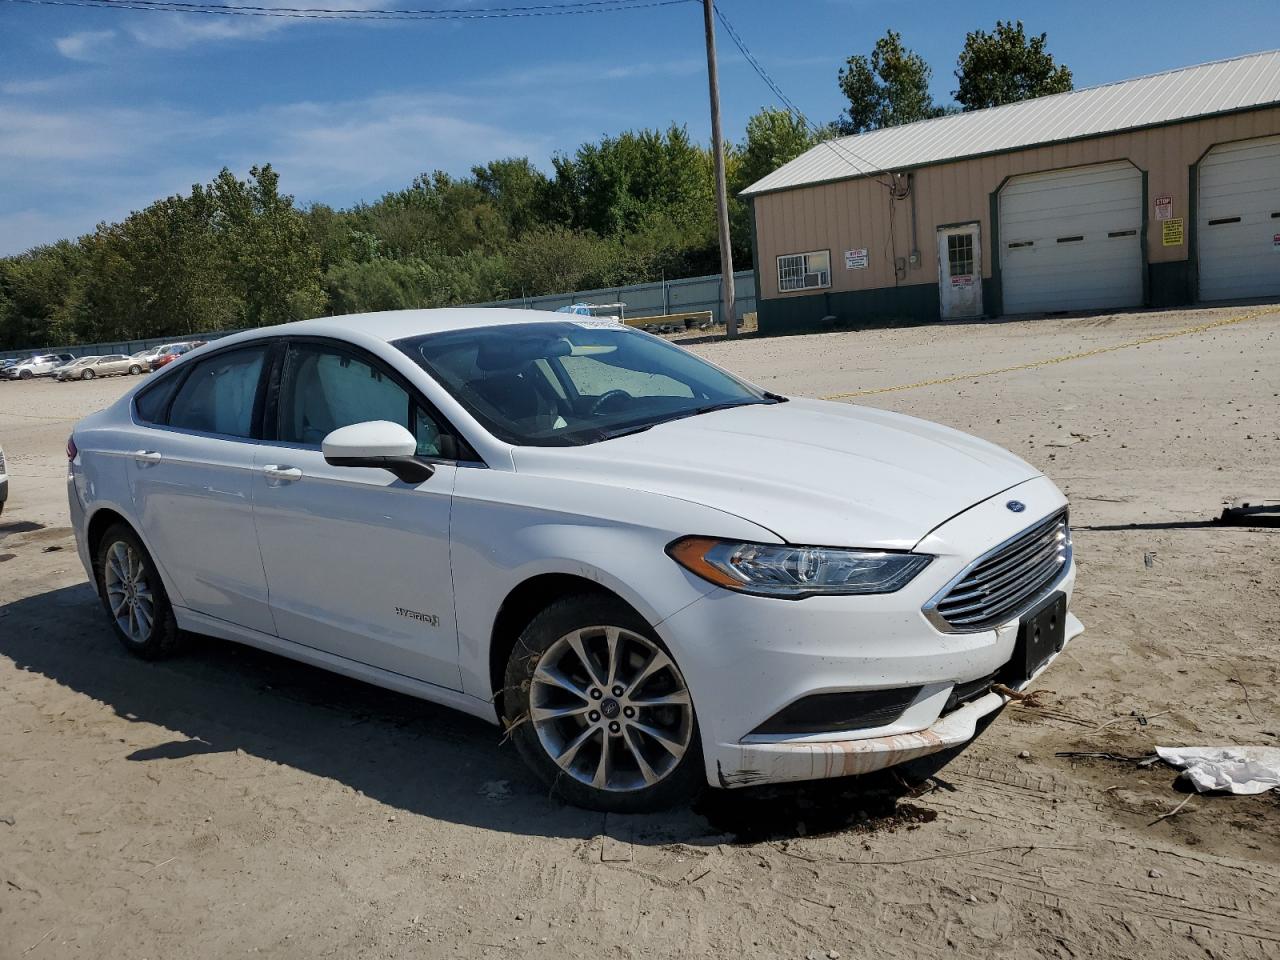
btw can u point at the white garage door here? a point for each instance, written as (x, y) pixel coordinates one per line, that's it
(1071, 239)
(1238, 220)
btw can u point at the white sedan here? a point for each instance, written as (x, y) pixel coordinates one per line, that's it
(654, 574)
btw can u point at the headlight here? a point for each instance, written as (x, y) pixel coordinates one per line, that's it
(782, 570)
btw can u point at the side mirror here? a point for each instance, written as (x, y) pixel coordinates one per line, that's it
(377, 443)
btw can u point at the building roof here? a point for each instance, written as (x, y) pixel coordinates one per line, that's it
(1223, 86)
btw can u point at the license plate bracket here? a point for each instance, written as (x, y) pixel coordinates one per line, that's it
(1042, 632)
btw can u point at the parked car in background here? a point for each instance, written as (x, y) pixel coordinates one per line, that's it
(4, 481)
(60, 373)
(525, 516)
(5, 367)
(172, 351)
(115, 364)
(40, 365)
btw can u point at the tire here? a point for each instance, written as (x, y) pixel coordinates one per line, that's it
(25, 375)
(640, 774)
(87, 375)
(135, 370)
(119, 557)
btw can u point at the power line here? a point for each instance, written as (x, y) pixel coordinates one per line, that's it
(325, 13)
(840, 150)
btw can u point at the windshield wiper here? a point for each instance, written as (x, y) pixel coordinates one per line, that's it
(684, 415)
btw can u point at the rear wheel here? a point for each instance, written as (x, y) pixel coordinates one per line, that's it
(599, 709)
(134, 596)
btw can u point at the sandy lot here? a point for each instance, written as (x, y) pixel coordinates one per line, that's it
(232, 803)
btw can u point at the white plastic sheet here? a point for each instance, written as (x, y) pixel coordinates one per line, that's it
(1234, 769)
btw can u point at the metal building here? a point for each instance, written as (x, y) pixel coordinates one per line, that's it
(1162, 190)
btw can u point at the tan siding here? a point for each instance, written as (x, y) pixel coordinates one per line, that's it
(854, 213)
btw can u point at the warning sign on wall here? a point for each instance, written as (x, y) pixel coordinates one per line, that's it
(1172, 235)
(1164, 208)
(855, 259)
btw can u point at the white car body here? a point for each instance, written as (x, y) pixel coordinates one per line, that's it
(404, 585)
(42, 365)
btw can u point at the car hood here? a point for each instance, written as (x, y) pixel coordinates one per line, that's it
(811, 471)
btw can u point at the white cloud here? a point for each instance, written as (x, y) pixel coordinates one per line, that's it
(85, 44)
(64, 169)
(179, 31)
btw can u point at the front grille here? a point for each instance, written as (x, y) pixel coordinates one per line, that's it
(1001, 584)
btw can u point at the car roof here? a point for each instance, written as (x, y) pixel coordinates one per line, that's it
(392, 325)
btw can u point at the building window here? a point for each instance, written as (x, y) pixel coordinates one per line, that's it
(960, 254)
(804, 271)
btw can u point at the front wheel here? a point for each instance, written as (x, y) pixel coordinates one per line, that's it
(600, 711)
(25, 375)
(87, 375)
(134, 596)
(135, 370)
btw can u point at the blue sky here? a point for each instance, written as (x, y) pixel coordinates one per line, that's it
(102, 111)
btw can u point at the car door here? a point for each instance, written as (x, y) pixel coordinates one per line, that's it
(357, 562)
(192, 482)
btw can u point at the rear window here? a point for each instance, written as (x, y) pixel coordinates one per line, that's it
(150, 404)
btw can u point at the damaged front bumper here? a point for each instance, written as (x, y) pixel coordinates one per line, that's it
(747, 763)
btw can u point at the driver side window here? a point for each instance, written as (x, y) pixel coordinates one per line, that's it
(325, 388)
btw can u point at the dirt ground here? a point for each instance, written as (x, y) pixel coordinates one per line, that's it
(232, 803)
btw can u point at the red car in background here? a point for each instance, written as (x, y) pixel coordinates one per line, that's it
(173, 352)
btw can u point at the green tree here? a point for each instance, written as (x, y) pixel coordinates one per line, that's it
(888, 88)
(774, 137)
(517, 189)
(267, 257)
(36, 290)
(1006, 66)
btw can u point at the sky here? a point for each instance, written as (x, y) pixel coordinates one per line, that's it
(104, 111)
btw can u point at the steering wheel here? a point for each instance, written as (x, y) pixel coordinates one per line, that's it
(605, 397)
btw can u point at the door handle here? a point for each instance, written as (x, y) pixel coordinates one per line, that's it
(277, 472)
(147, 456)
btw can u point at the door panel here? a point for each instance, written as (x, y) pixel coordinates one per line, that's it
(192, 485)
(358, 562)
(1238, 220)
(1072, 239)
(960, 271)
(193, 498)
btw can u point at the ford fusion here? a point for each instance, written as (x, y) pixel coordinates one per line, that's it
(654, 574)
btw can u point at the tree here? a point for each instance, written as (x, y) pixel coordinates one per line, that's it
(268, 259)
(1006, 66)
(774, 137)
(888, 88)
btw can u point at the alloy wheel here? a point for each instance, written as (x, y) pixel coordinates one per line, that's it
(611, 708)
(128, 586)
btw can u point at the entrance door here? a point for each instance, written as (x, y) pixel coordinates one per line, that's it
(960, 271)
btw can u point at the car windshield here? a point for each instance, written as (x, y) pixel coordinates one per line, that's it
(573, 382)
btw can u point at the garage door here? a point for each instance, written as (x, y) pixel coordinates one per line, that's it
(1238, 220)
(1071, 239)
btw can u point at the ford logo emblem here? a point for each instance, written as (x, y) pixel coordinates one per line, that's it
(1017, 506)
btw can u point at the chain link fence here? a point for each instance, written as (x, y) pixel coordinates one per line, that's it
(641, 299)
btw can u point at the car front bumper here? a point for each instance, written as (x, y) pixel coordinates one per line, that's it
(745, 658)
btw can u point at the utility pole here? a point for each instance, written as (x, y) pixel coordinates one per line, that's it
(722, 197)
